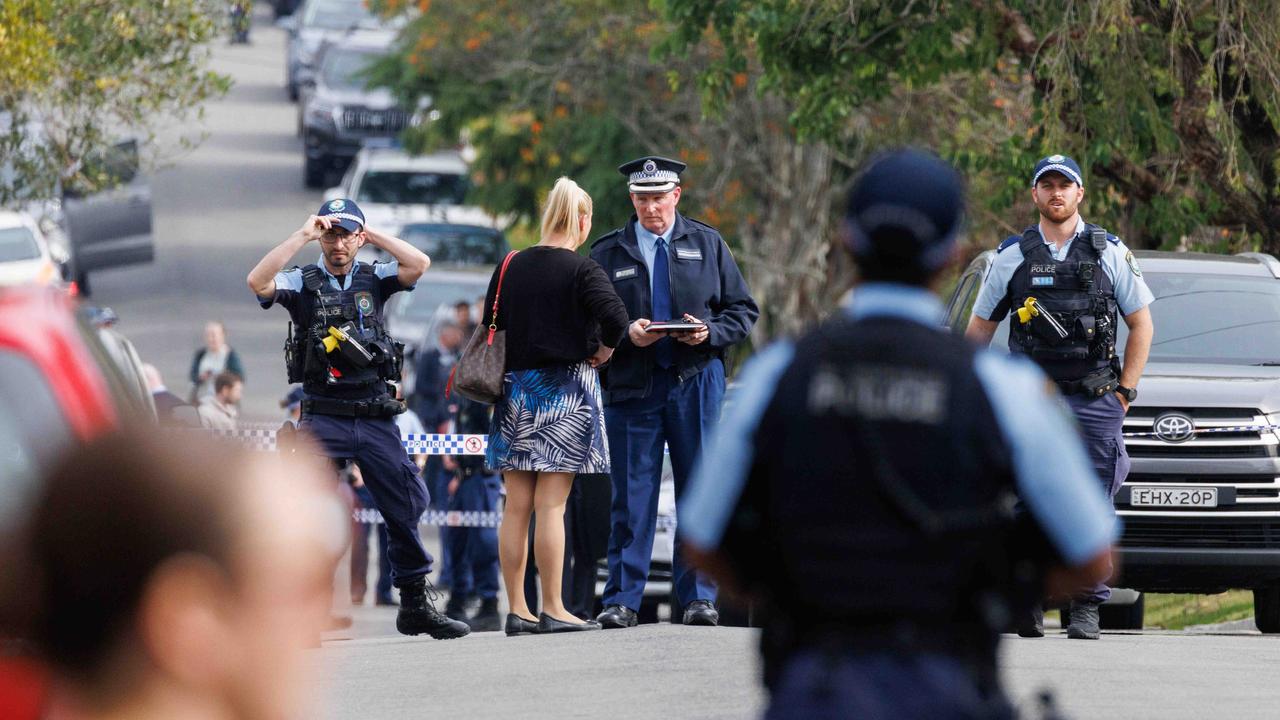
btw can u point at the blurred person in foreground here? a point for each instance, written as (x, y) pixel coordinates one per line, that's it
(168, 583)
(858, 492)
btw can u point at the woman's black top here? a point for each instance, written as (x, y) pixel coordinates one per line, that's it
(557, 308)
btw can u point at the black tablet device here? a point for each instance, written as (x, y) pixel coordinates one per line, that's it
(674, 326)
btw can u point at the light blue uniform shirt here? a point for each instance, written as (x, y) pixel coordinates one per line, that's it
(1063, 495)
(649, 248)
(291, 279)
(1131, 291)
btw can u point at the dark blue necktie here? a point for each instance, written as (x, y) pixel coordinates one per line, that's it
(663, 351)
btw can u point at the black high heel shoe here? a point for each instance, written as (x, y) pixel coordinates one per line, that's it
(517, 625)
(548, 624)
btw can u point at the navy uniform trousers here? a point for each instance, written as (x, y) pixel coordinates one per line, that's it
(1101, 422)
(473, 551)
(398, 492)
(680, 414)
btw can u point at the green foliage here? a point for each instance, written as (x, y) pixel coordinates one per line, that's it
(1171, 106)
(77, 74)
(1175, 612)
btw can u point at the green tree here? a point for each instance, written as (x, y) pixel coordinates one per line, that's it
(1172, 106)
(575, 87)
(77, 74)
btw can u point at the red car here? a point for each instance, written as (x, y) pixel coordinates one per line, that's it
(63, 380)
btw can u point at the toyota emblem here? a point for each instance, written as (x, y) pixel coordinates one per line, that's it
(1175, 427)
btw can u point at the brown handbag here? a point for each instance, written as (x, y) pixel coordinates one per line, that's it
(479, 372)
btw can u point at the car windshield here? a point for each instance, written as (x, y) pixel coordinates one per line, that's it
(1214, 318)
(336, 14)
(422, 303)
(407, 187)
(451, 244)
(17, 243)
(344, 69)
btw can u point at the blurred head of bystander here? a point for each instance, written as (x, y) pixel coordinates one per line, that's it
(170, 580)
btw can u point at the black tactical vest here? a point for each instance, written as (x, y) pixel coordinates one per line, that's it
(879, 506)
(1079, 296)
(342, 373)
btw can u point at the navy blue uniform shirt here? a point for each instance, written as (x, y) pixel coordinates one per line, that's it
(705, 283)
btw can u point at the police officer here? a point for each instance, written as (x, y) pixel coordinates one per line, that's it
(857, 491)
(663, 387)
(1063, 280)
(341, 353)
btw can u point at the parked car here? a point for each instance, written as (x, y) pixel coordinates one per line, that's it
(93, 226)
(414, 317)
(340, 112)
(457, 245)
(25, 256)
(395, 189)
(1201, 505)
(314, 22)
(63, 380)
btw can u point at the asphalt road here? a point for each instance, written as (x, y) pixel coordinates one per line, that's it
(217, 211)
(672, 671)
(220, 208)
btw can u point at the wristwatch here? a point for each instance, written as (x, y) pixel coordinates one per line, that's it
(1129, 394)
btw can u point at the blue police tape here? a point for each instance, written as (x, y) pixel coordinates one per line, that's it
(263, 437)
(466, 518)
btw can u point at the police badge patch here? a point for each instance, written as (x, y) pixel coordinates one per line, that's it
(1133, 264)
(364, 302)
(337, 205)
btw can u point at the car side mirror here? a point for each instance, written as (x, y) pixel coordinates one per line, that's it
(332, 193)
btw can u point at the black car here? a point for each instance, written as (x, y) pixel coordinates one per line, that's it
(341, 112)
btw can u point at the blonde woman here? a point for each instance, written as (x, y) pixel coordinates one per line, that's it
(563, 320)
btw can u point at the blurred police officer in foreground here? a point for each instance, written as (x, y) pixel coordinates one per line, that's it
(1062, 281)
(862, 486)
(663, 387)
(339, 350)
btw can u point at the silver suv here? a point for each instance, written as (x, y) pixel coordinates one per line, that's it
(1201, 505)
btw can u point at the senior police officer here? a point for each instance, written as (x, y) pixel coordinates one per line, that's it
(339, 350)
(663, 387)
(1063, 280)
(857, 491)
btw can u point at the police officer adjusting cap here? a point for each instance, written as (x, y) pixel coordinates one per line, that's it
(908, 204)
(1060, 164)
(652, 174)
(344, 213)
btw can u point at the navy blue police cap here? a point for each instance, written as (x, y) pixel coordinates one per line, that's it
(906, 197)
(1060, 164)
(344, 213)
(652, 174)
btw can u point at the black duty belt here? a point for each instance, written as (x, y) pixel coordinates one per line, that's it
(380, 408)
(1095, 384)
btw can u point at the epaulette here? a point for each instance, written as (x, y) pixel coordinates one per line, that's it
(1009, 242)
(699, 223)
(607, 236)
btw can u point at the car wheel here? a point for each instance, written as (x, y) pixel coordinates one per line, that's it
(313, 173)
(1266, 608)
(1123, 616)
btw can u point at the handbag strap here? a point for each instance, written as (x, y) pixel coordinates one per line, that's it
(497, 293)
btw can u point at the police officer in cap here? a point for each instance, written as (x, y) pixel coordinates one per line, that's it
(663, 387)
(1062, 282)
(862, 486)
(339, 350)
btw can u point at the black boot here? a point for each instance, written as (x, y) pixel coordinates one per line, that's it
(418, 614)
(486, 618)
